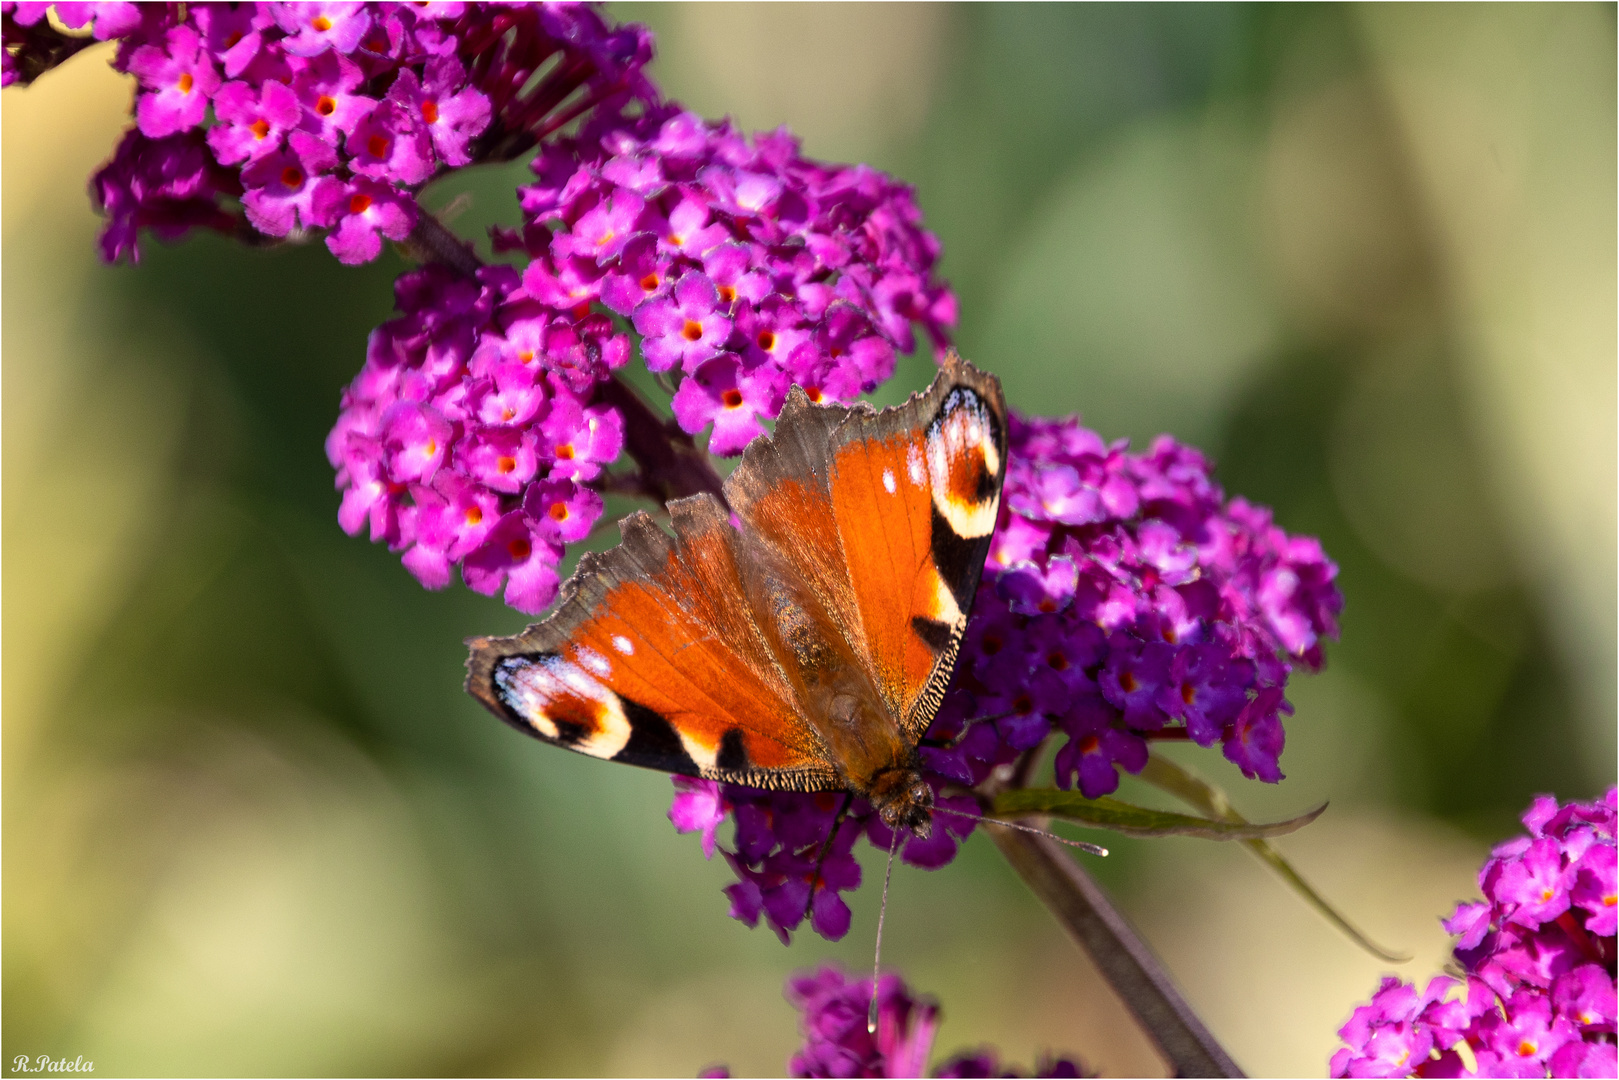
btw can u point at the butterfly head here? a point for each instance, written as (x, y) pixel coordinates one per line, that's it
(903, 800)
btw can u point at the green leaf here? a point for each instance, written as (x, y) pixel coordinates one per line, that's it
(1198, 793)
(1134, 820)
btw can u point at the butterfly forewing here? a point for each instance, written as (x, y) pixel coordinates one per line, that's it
(654, 659)
(888, 515)
(915, 493)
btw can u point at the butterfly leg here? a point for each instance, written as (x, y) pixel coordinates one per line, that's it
(826, 848)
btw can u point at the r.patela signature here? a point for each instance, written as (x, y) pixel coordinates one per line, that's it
(44, 1063)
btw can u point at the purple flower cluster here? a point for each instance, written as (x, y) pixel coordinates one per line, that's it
(1124, 600)
(745, 267)
(837, 1042)
(305, 116)
(1537, 955)
(471, 435)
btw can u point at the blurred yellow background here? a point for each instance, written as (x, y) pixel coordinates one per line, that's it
(1364, 256)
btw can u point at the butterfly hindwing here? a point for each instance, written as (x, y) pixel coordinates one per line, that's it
(654, 658)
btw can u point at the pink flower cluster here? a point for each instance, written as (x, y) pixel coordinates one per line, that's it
(471, 435)
(745, 267)
(837, 1043)
(327, 116)
(1538, 960)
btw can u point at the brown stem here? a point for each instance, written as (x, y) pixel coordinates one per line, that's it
(1123, 958)
(431, 241)
(670, 463)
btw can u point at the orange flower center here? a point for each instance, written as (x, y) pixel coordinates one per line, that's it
(185, 82)
(359, 203)
(693, 331)
(321, 23)
(504, 465)
(1089, 744)
(474, 515)
(727, 293)
(326, 105)
(430, 111)
(377, 146)
(292, 176)
(565, 451)
(1188, 692)
(649, 282)
(520, 548)
(813, 393)
(1057, 661)
(260, 128)
(732, 399)
(1127, 682)
(766, 340)
(558, 511)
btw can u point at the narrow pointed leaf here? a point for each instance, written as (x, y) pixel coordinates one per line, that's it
(1198, 793)
(1132, 820)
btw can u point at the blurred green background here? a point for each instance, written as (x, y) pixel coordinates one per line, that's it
(1364, 256)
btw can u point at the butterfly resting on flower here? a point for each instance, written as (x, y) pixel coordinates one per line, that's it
(807, 650)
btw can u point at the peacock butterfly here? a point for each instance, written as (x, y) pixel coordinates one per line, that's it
(807, 650)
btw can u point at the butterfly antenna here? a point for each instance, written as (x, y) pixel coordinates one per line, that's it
(1093, 849)
(877, 953)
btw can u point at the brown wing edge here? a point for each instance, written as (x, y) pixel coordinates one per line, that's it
(653, 743)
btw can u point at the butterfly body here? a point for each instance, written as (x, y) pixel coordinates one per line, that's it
(808, 650)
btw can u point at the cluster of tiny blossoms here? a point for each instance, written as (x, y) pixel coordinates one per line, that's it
(838, 1043)
(296, 117)
(1124, 600)
(744, 267)
(1537, 994)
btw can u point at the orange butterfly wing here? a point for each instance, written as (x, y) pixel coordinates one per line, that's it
(889, 516)
(654, 658)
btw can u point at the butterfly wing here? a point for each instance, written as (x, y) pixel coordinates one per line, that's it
(889, 516)
(654, 658)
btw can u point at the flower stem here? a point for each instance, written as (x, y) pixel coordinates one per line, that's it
(1124, 959)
